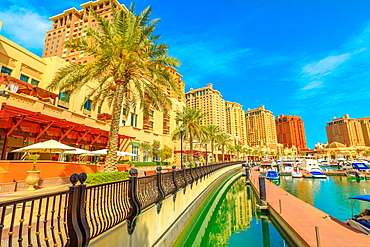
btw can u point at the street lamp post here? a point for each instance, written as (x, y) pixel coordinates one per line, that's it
(181, 134)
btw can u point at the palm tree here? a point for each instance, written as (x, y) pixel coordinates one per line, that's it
(145, 148)
(212, 131)
(129, 66)
(238, 150)
(223, 140)
(190, 119)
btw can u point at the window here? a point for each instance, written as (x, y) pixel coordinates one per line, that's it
(135, 150)
(124, 111)
(6, 70)
(24, 78)
(123, 123)
(87, 105)
(133, 119)
(34, 82)
(65, 96)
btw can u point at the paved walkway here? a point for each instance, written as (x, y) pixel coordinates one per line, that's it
(303, 217)
(21, 194)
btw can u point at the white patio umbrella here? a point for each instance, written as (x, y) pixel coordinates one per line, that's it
(50, 146)
(77, 151)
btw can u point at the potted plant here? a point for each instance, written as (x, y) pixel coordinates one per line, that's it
(33, 176)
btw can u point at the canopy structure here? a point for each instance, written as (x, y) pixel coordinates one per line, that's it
(39, 126)
(360, 166)
(50, 146)
(77, 151)
(361, 197)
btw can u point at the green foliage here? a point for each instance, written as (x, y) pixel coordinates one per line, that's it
(155, 163)
(34, 158)
(99, 178)
(154, 149)
(165, 153)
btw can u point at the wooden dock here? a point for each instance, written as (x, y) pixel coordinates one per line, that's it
(301, 220)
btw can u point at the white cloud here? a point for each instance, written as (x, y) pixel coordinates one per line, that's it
(24, 27)
(313, 84)
(325, 66)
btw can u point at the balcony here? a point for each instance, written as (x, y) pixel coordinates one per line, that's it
(147, 124)
(105, 117)
(166, 129)
(166, 117)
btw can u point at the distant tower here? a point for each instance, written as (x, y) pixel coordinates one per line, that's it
(211, 103)
(290, 132)
(345, 130)
(260, 127)
(235, 121)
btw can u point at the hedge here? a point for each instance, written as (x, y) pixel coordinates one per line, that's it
(155, 163)
(100, 178)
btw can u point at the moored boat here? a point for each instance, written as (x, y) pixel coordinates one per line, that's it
(296, 173)
(272, 175)
(360, 221)
(354, 175)
(317, 174)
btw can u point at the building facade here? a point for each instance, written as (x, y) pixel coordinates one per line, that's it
(235, 122)
(211, 103)
(70, 24)
(260, 127)
(345, 130)
(290, 132)
(365, 127)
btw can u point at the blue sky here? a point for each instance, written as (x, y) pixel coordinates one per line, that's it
(307, 58)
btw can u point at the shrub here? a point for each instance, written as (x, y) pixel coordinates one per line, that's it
(100, 178)
(155, 163)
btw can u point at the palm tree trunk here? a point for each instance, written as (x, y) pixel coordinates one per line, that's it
(191, 147)
(212, 147)
(111, 160)
(223, 155)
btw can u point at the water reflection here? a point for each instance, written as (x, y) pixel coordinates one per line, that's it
(230, 218)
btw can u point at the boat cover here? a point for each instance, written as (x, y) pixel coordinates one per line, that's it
(360, 166)
(361, 197)
(359, 225)
(317, 173)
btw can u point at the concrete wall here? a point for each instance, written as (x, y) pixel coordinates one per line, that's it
(162, 229)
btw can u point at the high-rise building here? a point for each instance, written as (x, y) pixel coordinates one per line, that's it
(70, 24)
(260, 127)
(157, 125)
(345, 130)
(211, 103)
(290, 132)
(365, 127)
(235, 122)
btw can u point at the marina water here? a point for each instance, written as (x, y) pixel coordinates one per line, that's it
(330, 194)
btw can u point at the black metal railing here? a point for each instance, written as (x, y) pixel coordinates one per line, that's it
(73, 217)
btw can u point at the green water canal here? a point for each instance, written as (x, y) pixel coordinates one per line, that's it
(229, 217)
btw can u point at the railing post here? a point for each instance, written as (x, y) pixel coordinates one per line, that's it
(161, 193)
(85, 229)
(75, 237)
(135, 206)
(191, 175)
(174, 178)
(184, 174)
(262, 185)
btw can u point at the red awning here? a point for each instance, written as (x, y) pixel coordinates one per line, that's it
(38, 118)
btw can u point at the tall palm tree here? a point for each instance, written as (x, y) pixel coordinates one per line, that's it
(212, 131)
(223, 140)
(191, 120)
(238, 150)
(129, 66)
